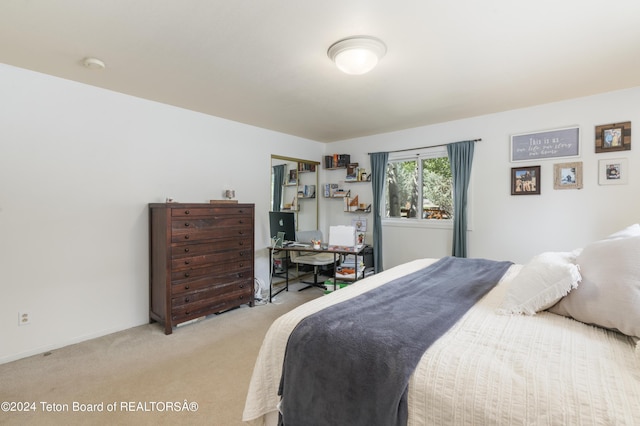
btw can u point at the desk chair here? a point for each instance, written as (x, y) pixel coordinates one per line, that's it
(314, 259)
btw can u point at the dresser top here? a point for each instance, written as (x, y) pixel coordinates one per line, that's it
(195, 205)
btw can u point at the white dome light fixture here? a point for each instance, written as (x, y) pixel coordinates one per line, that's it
(93, 63)
(358, 54)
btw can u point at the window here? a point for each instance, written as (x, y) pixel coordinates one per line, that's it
(419, 185)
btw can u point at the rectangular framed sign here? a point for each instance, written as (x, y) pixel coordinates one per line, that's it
(555, 143)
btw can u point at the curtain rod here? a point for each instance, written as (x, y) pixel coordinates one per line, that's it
(432, 146)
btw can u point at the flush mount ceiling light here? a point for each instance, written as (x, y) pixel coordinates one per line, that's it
(93, 63)
(358, 54)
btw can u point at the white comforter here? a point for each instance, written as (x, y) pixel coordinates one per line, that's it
(489, 369)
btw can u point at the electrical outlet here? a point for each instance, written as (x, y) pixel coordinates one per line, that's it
(24, 318)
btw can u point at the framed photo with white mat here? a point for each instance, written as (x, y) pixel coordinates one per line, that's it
(613, 171)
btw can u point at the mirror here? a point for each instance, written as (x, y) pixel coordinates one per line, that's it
(294, 187)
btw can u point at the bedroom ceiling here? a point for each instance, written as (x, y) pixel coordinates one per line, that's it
(264, 63)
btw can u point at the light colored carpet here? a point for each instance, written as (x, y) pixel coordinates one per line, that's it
(138, 373)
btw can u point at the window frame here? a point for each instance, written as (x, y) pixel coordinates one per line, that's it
(418, 155)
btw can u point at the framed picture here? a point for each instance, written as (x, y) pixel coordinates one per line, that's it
(567, 175)
(554, 143)
(613, 171)
(613, 137)
(525, 180)
(293, 177)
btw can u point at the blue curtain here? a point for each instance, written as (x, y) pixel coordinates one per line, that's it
(278, 180)
(461, 158)
(378, 176)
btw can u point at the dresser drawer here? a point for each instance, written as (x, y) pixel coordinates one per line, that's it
(224, 232)
(210, 211)
(198, 279)
(208, 306)
(211, 292)
(210, 259)
(210, 222)
(194, 249)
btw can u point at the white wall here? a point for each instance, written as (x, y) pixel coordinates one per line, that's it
(515, 227)
(78, 166)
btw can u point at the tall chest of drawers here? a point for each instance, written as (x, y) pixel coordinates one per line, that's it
(201, 260)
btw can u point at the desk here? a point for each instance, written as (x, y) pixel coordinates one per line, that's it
(336, 250)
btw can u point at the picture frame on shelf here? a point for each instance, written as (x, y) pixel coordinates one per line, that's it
(360, 224)
(613, 171)
(352, 172)
(567, 175)
(525, 180)
(293, 177)
(613, 137)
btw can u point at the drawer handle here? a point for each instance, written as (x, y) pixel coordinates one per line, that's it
(186, 287)
(240, 275)
(186, 237)
(187, 300)
(187, 212)
(186, 274)
(186, 250)
(186, 224)
(241, 253)
(241, 232)
(241, 243)
(241, 264)
(241, 221)
(241, 285)
(187, 312)
(241, 297)
(186, 262)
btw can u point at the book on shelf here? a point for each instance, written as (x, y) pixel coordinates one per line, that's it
(309, 191)
(336, 161)
(348, 268)
(332, 190)
(343, 160)
(306, 167)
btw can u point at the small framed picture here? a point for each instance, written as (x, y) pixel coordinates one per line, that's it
(293, 177)
(525, 180)
(613, 171)
(613, 137)
(567, 175)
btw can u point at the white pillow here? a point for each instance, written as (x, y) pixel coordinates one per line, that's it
(541, 283)
(629, 231)
(609, 294)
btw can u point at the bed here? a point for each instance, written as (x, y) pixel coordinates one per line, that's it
(554, 342)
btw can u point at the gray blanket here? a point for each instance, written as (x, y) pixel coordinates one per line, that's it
(350, 363)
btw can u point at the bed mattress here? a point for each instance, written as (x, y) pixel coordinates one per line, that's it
(488, 368)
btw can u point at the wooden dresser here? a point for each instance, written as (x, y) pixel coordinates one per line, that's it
(201, 260)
